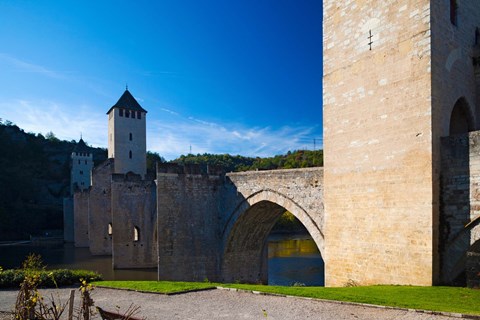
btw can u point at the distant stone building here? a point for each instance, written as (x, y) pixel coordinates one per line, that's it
(82, 165)
(80, 179)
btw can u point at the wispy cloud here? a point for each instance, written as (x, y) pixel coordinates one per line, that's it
(67, 124)
(171, 136)
(23, 66)
(170, 111)
(176, 134)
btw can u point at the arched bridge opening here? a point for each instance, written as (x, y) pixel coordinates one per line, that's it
(245, 238)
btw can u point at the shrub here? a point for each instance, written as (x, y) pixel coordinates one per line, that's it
(47, 278)
(11, 278)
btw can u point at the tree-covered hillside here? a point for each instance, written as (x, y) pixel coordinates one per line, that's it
(34, 179)
(295, 159)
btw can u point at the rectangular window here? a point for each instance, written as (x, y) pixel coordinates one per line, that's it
(85, 161)
(81, 172)
(78, 161)
(121, 112)
(127, 114)
(139, 115)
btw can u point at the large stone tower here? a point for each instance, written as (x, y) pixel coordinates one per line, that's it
(82, 164)
(398, 76)
(127, 141)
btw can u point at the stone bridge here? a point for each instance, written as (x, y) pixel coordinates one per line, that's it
(215, 226)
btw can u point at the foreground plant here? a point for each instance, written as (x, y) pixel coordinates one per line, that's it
(30, 304)
(86, 301)
(27, 298)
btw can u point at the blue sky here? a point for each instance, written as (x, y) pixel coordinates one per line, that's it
(239, 77)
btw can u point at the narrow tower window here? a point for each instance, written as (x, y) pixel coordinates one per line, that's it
(121, 112)
(136, 234)
(139, 115)
(477, 36)
(130, 136)
(453, 12)
(110, 230)
(130, 154)
(127, 114)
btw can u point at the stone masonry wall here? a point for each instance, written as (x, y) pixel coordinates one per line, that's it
(133, 206)
(99, 211)
(188, 222)
(80, 218)
(379, 205)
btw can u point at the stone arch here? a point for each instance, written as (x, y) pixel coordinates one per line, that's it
(461, 118)
(244, 236)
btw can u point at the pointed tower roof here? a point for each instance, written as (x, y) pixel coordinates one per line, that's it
(82, 147)
(127, 101)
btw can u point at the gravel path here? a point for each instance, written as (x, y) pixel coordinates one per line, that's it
(225, 304)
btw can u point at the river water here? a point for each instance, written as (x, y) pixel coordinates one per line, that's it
(291, 259)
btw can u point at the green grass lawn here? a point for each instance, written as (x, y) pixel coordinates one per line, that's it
(449, 299)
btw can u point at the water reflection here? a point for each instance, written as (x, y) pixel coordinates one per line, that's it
(290, 260)
(294, 260)
(67, 256)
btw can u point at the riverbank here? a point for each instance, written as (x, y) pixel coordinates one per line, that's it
(226, 304)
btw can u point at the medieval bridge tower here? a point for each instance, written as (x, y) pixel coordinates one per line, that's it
(398, 76)
(127, 136)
